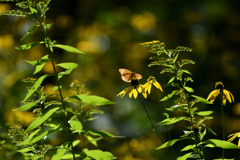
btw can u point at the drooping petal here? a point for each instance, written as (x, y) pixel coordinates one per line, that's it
(212, 96)
(239, 142)
(122, 93)
(131, 89)
(147, 87)
(226, 93)
(157, 85)
(231, 96)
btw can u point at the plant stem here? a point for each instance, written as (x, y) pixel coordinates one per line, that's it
(151, 121)
(58, 84)
(222, 123)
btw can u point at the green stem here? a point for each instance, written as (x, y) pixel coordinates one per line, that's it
(169, 137)
(58, 84)
(222, 125)
(151, 121)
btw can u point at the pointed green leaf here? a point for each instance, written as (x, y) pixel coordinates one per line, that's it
(189, 89)
(171, 120)
(38, 121)
(204, 113)
(76, 126)
(211, 131)
(171, 80)
(186, 71)
(93, 100)
(35, 86)
(68, 65)
(188, 147)
(168, 96)
(70, 156)
(172, 142)
(29, 31)
(68, 48)
(184, 157)
(99, 155)
(56, 88)
(221, 144)
(39, 63)
(24, 150)
(100, 133)
(28, 46)
(201, 99)
(30, 137)
(176, 107)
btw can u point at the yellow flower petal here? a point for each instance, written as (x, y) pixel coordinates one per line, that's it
(212, 96)
(227, 95)
(135, 93)
(157, 85)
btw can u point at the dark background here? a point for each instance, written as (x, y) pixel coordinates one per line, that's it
(110, 33)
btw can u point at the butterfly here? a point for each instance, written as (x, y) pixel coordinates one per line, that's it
(128, 75)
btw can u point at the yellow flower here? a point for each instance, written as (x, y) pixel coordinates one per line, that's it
(235, 135)
(133, 90)
(226, 95)
(152, 81)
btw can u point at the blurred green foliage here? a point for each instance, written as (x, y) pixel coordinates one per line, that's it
(110, 33)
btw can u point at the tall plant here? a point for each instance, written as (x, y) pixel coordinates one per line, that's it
(75, 109)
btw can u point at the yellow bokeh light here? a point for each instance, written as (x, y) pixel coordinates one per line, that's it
(4, 7)
(89, 46)
(16, 117)
(236, 109)
(144, 22)
(6, 41)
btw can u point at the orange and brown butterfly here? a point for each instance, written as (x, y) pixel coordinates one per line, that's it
(128, 75)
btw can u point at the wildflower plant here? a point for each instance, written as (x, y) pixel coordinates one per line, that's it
(186, 101)
(74, 110)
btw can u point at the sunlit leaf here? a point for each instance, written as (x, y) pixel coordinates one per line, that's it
(99, 155)
(184, 157)
(100, 133)
(211, 131)
(68, 65)
(221, 144)
(188, 147)
(93, 100)
(38, 121)
(169, 121)
(172, 142)
(39, 63)
(35, 86)
(168, 96)
(28, 46)
(204, 113)
(189, 89)
(30, 31)
(186, 71)
(201, 99)
(76, 126)
(68, 48)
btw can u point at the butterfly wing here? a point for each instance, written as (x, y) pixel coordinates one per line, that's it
(126, 74)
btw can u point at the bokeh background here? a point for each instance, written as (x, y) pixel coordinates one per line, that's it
(109, 32)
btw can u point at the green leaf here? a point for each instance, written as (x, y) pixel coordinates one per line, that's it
(172, 142)
(177, 107)
(39, 63)
(76, 126)
(171, 120)
(186, 71)
(68, 48)
(99, 155)
(221, 144)
(188, 147)
(211, 131)
(92, 140)
(31, 104)
(28, 46)
(24, 150)
(201, 99)
(92, 100)
(100, 133)
(171, 80)
(204, 113)
(30, 137)
(69, 156)
(30, 31)
(189, 89)
(68, 65)
(35, 86)
(56, 88)
(184, 157)
(168, 96)
(38, 121)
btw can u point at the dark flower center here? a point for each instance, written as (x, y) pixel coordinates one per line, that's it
(134, 82)
(219, 85)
